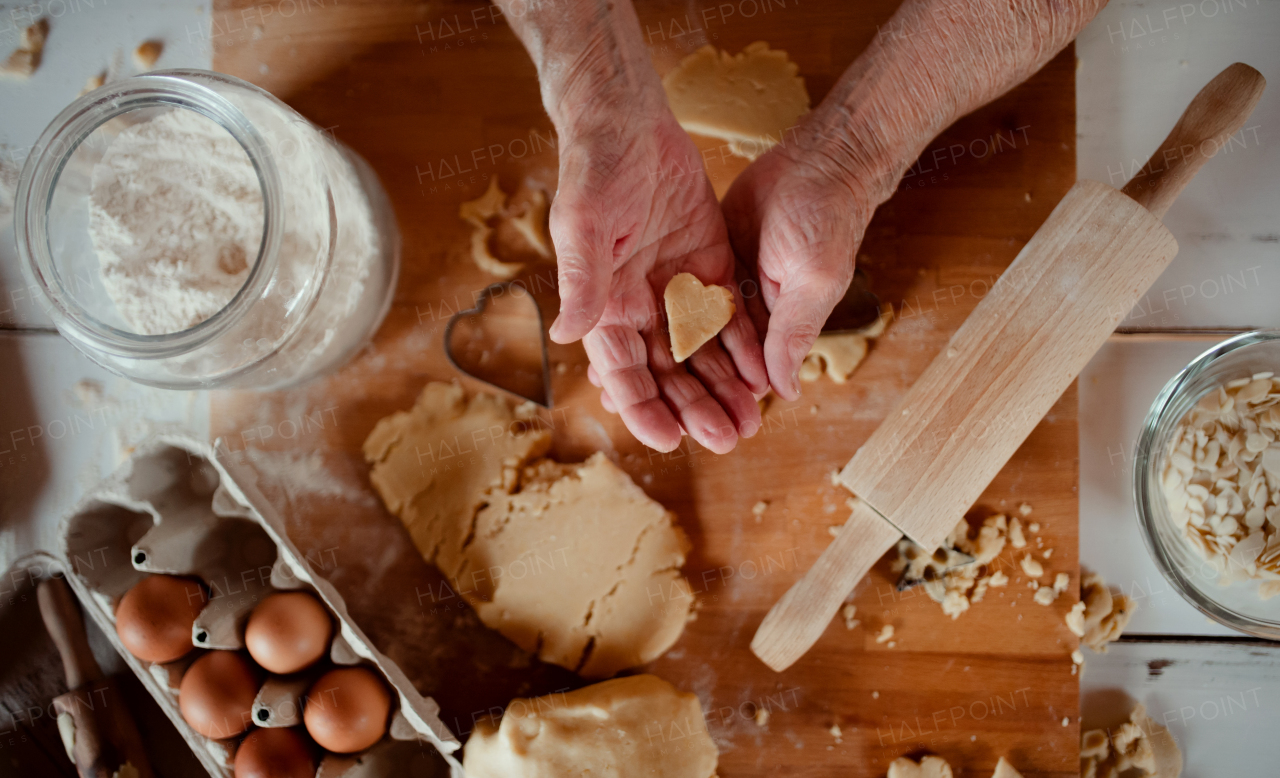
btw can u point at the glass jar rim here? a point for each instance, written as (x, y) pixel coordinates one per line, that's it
(1146, 457)
(64, 136)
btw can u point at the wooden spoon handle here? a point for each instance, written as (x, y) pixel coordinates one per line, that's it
(1218, 111)
(796, 621)
(62, 619)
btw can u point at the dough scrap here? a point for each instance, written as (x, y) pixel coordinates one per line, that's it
(695, 313)
(572, 561)
(1005, 770)
(1105, 613)
(25, 60)
(1139, 744)
(929, 767)
(748, 99)
(436, 464)
(634, 727)
(493, 214)
(581, 567)
(838, 354)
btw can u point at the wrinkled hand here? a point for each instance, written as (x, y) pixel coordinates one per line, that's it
(796, 219)
(634, 208)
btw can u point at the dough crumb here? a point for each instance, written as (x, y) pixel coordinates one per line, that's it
(147, 54)
(634, 726)
(1061, 582)
(1024, 510)
(847, 613)
(928, 767)
(759, 508)
(762, 717)
(695, 313)
(1034, 527)
(886, 632)
(953, 585)
(1045, 595)
(24, 61)
(749, 99)
(1016, 538)
(836, 733)
(1031, 567)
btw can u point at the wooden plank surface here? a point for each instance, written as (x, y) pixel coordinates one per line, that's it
(437, 109)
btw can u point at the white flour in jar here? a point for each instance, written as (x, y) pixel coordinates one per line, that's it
(176, 218)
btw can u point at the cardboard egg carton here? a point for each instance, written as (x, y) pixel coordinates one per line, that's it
(175, 507)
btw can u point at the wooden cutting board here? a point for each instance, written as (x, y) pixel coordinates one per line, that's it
(440, 96)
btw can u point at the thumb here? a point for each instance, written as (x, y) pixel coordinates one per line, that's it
(584, 259)
(795, 321)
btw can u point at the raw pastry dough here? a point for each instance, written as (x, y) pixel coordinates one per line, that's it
(1139, 744)
(695, 313)
(25, 60)
(749, 99)
(634, 727)
(929, 767)
(523, 215)
(1005, 770)
(436, 464)
(477, 213)
(580, 566)
(838, 354)
(572, 561)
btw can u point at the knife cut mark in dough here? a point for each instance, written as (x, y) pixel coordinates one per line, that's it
(633, 727)
(695, 313)
(562, 559)
(749, 99)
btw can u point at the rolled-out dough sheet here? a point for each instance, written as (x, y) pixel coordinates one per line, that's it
(573, 562)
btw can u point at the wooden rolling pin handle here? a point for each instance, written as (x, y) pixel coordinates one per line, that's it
(1216, 113)
(65, 624)
(796, 621)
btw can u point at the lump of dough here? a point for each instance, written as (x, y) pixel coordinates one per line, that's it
(436, 464)
(634, 727)
(580, 566)
(749, 99)
(929, 767)
(695, 313)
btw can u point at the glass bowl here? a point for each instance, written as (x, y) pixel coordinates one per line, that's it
(1236, 605)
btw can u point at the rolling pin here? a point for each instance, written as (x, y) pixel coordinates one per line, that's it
(99, 734)
(1023, 345)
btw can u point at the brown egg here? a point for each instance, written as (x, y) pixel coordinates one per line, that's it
(347, 709)
(154, 618)
(288, 631)
(216, 694)
(278, 752)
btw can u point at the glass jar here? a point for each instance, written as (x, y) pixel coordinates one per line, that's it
(320, 283)
(1199, 581)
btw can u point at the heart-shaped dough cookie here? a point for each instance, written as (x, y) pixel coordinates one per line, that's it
(695, 313)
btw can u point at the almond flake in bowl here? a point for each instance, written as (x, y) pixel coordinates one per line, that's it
(1206, 480)
(1221, 480)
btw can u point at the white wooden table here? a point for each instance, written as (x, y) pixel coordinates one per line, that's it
(1140, 64)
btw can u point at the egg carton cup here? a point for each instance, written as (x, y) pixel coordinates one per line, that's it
(177, 507)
